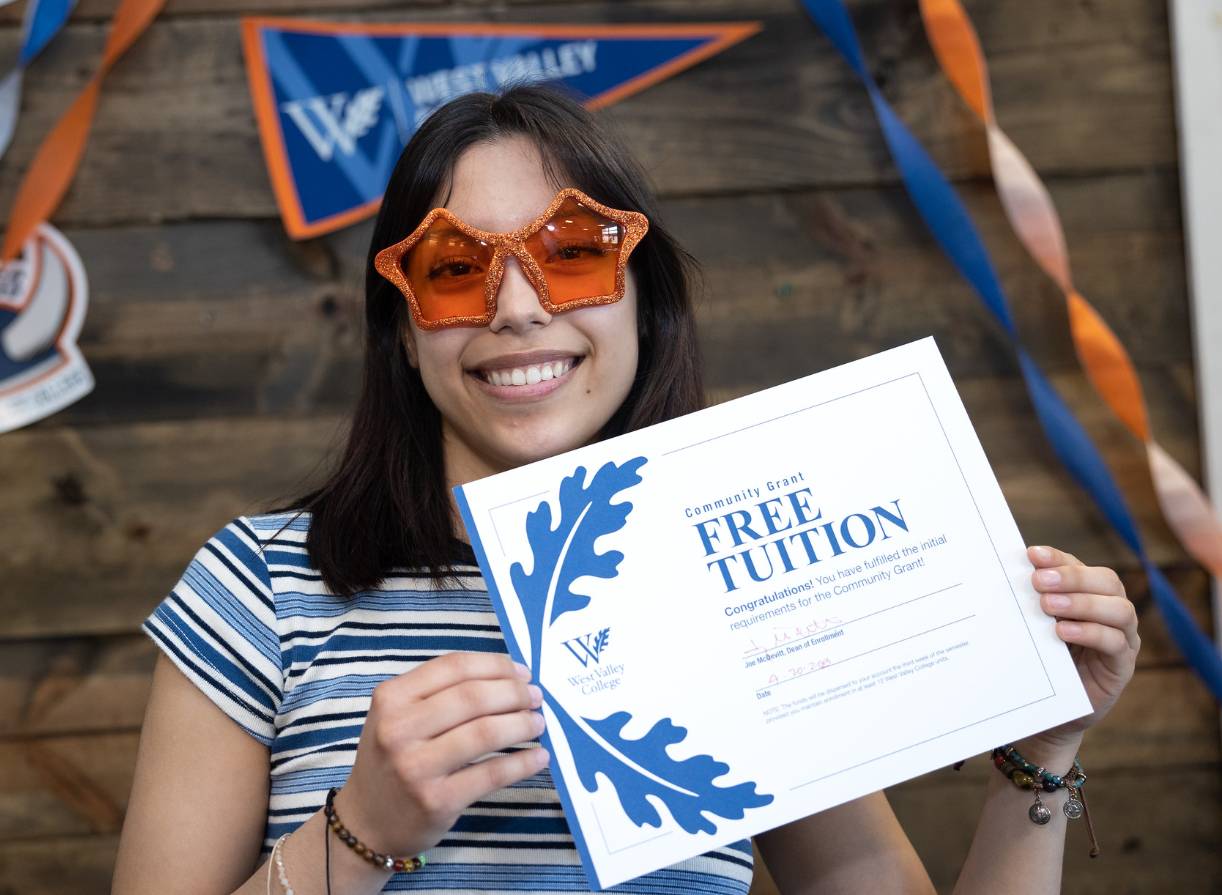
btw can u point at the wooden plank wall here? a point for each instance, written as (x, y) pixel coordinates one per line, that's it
(227, 356)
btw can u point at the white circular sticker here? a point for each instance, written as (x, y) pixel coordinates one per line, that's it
(43, 296)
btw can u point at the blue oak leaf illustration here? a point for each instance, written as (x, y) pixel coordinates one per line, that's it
(642, 767)
(564, 552)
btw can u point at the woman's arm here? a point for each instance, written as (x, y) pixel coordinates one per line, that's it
(860, 846)
(198, 806)
(1009, 854)
(199, 800)
(852, 848)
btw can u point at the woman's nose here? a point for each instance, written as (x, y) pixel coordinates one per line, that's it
(517, 303)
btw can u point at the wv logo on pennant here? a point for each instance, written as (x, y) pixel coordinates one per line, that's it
(337, 102)
(588, 647)
(336, 121)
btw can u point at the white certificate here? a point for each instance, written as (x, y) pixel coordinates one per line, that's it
(770, 607)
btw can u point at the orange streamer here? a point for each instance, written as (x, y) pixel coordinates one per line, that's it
(1034, 218)
(57, 159)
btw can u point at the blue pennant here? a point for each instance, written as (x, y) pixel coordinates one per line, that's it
(337, 102)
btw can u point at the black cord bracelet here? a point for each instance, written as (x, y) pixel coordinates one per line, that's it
(386, 862)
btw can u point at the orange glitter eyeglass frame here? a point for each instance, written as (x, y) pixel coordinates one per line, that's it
(389, 262)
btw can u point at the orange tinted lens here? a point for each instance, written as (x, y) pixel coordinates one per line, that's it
(578, 251)
(446, 269)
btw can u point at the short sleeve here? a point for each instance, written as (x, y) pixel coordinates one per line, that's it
(218, 625)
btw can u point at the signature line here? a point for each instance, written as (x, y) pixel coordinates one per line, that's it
(867, 652)
(764, 649)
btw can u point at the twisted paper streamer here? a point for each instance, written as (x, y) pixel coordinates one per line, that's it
(948, 221)
(43, 19)
(58, 157)
(1034, 219)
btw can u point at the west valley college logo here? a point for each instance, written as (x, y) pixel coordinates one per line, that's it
(588, 647)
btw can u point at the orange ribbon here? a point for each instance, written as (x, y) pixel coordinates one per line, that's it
(57, 159)
(1034, 218)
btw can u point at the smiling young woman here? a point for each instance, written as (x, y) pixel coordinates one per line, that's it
(523, 298)
(487, 425)
(496, 165)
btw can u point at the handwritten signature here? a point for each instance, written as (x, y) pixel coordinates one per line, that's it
(788, 633)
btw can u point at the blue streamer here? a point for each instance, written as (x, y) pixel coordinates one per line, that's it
(43, 20)
(947, 219)
(46, 18)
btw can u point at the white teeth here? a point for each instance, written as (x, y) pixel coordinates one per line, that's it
(531, 375)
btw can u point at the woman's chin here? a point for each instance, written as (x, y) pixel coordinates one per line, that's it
(541, 452)
(524, 448)
(475, 454)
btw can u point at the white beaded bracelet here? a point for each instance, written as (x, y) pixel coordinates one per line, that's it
(279, 861)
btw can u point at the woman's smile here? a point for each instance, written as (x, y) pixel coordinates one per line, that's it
(525, 376)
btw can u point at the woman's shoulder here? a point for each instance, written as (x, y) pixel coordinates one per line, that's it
(281, 540)
(246, 550)
(289, 526)
(260, 531)
(274, 537)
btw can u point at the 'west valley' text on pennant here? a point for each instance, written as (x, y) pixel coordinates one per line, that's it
(337, 102)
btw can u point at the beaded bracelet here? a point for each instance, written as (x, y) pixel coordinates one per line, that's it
(271, 862)
(279, 859)
(1025, 775)
(387, 862)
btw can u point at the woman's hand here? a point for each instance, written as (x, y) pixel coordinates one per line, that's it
(414, 773)
(1096, 619)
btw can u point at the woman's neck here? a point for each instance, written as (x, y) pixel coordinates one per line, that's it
(462, 465)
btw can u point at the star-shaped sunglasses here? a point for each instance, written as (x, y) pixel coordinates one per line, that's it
(574, 254)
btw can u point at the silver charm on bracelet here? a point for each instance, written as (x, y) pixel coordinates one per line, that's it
(1038, 812)
(1073, 806)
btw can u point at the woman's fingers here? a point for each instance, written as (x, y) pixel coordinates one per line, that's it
(1079, 579)
(1088, 601)
(1115, 612)
(453, 668)
(1042, 557)
(476, 781)
(436, 719)
(459, 747)
(1102, 638)
(464, 702)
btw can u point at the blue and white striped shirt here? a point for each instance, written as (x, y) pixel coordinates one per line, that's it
(252, 624)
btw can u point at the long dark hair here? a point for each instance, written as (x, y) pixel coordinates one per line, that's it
(385, 504)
